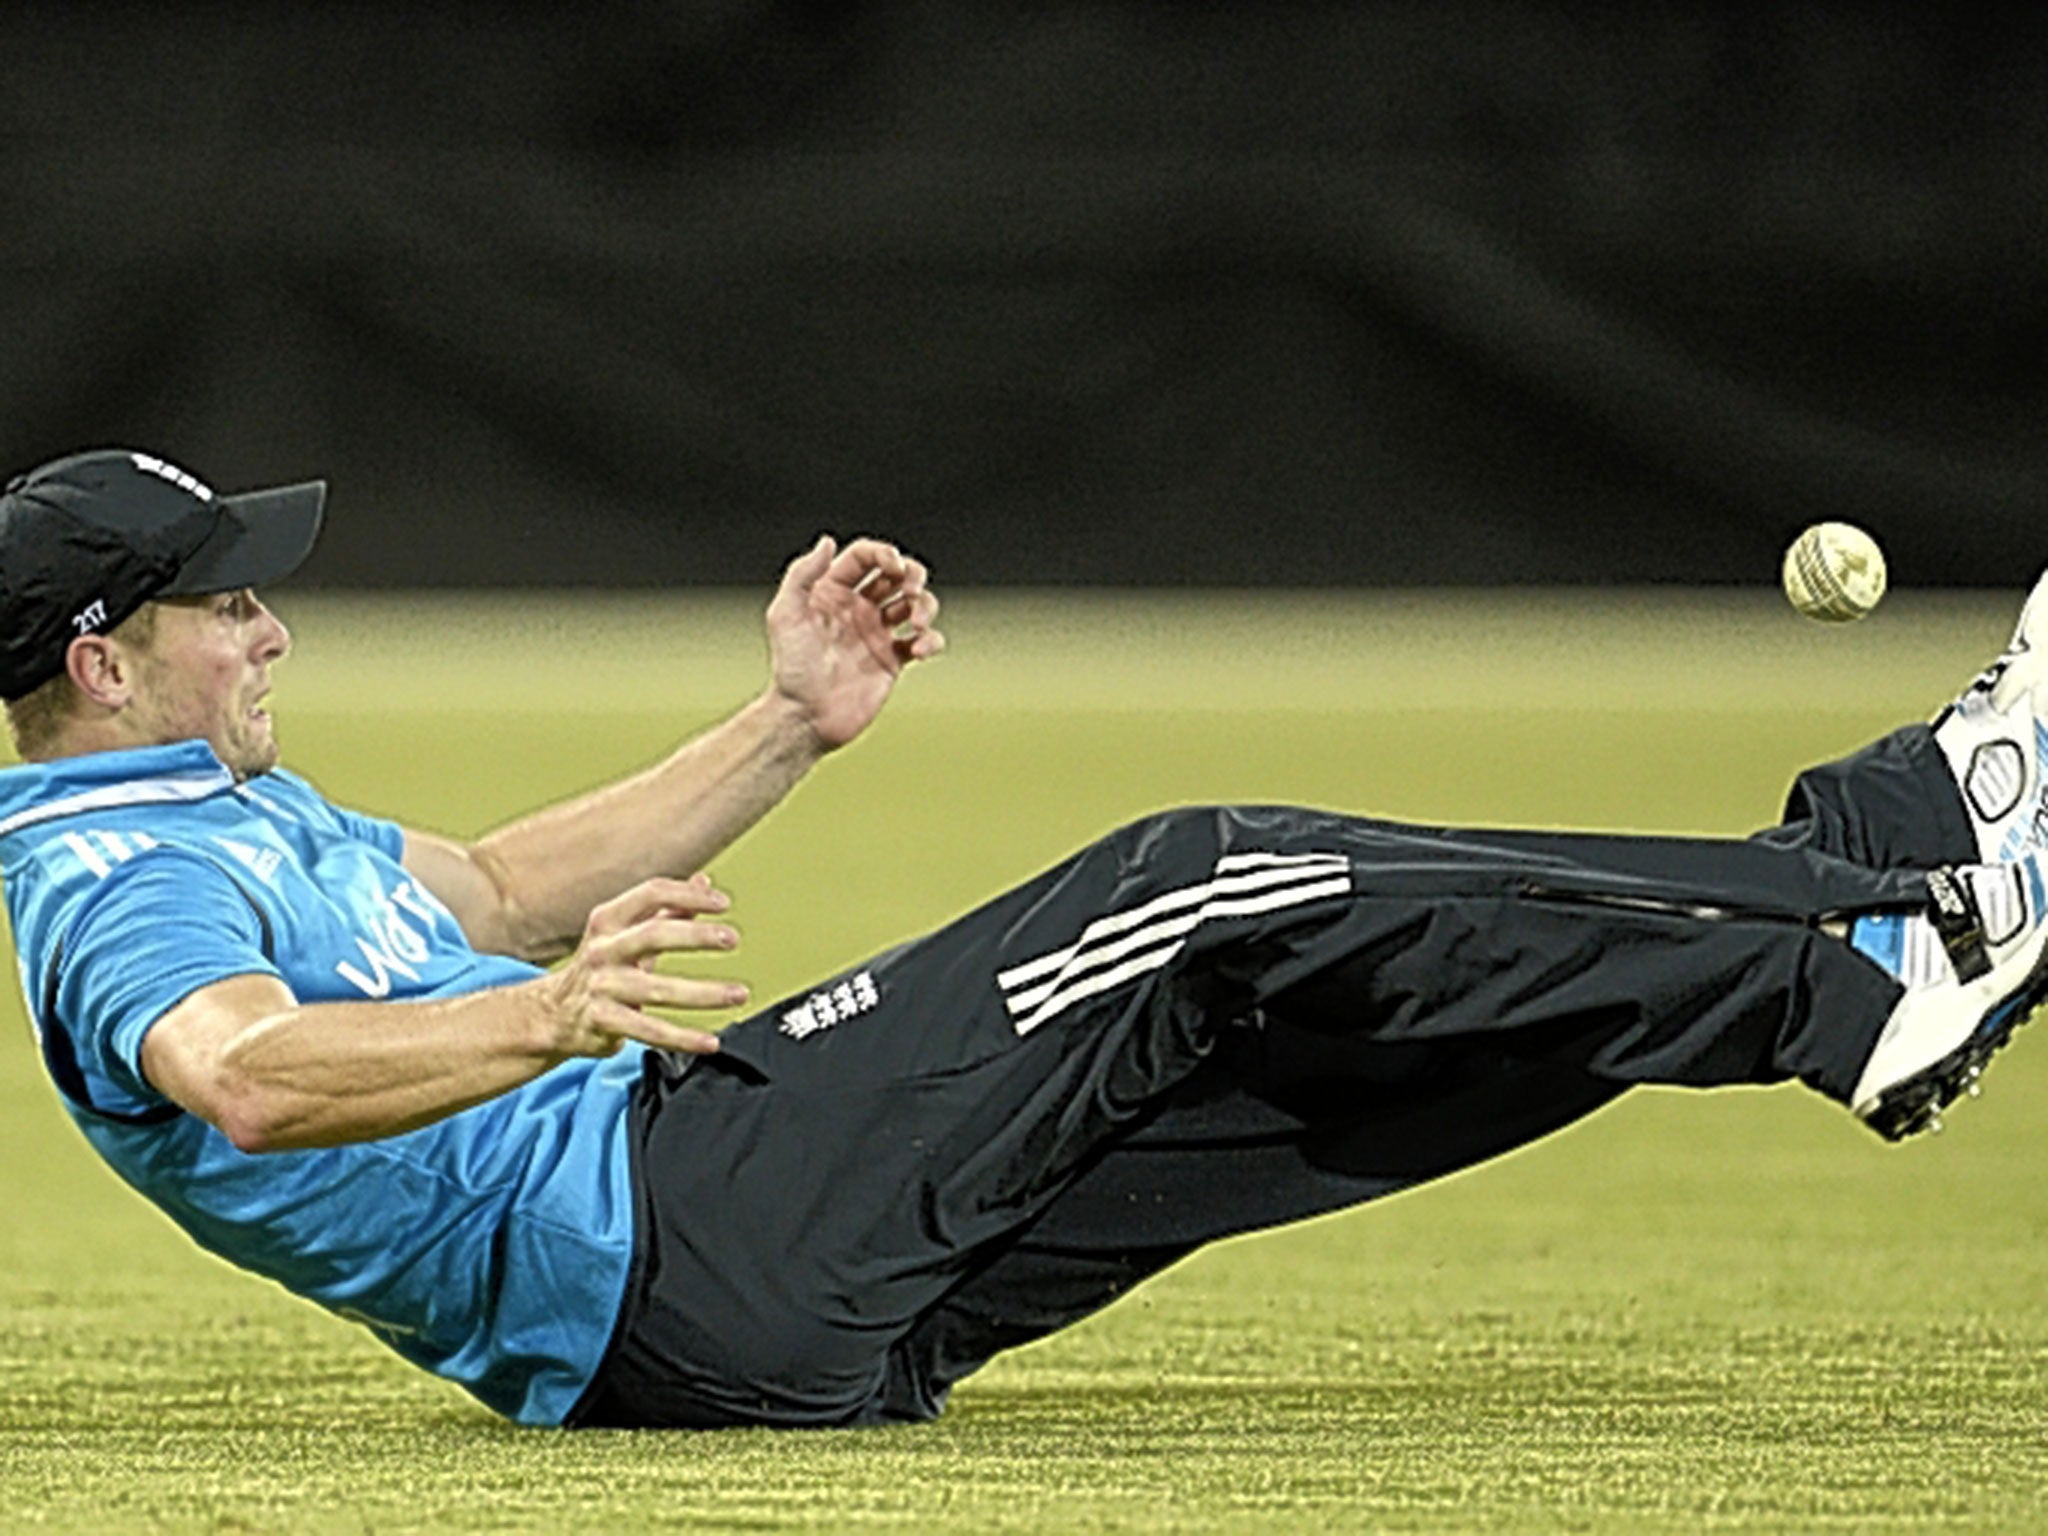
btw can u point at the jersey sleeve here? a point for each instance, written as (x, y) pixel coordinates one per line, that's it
(155, 930)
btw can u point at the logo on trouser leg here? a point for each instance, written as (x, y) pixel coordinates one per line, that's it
(834, 1005)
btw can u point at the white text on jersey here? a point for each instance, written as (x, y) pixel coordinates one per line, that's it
(394, 945)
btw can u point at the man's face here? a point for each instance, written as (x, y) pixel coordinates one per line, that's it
(205, 672)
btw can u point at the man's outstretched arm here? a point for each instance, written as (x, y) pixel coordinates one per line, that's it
(841, 629)
(275, 1074)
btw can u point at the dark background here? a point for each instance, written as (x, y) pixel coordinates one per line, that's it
(1159, 293)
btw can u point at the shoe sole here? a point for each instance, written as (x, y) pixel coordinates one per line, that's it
(1914, 1103)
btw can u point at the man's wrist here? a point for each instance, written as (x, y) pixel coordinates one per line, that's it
(542, 1017)
(790, 726)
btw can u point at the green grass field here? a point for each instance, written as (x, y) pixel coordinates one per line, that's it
(1734, 1311)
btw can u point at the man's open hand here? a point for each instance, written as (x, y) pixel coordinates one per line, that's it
(599, 998)
(842, 627)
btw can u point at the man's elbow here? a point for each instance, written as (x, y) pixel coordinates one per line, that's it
(251, 1119)
(212, 1090)
(206, 1055)
(250, 1111)
(476, 884)
(511, 925)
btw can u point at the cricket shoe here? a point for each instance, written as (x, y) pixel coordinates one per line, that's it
(1975, 967)
(1995, 737)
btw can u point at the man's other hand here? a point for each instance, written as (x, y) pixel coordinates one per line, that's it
(599, 997)
(842, 627)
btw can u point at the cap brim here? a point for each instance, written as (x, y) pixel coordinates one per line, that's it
(263, 536)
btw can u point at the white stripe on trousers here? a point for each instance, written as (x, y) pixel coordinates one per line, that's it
(1122, 946)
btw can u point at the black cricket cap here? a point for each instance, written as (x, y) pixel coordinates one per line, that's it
(87, 540)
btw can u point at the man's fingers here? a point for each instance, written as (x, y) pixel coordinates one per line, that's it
(802, 574)
(911, 628)
(603, 994)
(895, 583)
(622, 1023)
(896, 599)
(636, 989)
(651, 898)
(664, 935)
(666, 893)
(908, 577)
(868, 560)
(921, 646)
(916, 609)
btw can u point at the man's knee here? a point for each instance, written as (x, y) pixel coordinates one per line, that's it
(1194, 837)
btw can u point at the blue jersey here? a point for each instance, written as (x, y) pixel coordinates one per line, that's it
(491, 1247)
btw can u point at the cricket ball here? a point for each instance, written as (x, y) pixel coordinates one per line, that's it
(1834, 572)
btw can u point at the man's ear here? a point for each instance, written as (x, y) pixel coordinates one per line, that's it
(100, 669)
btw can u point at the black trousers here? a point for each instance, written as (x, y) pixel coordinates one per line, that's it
(1212, 1021)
